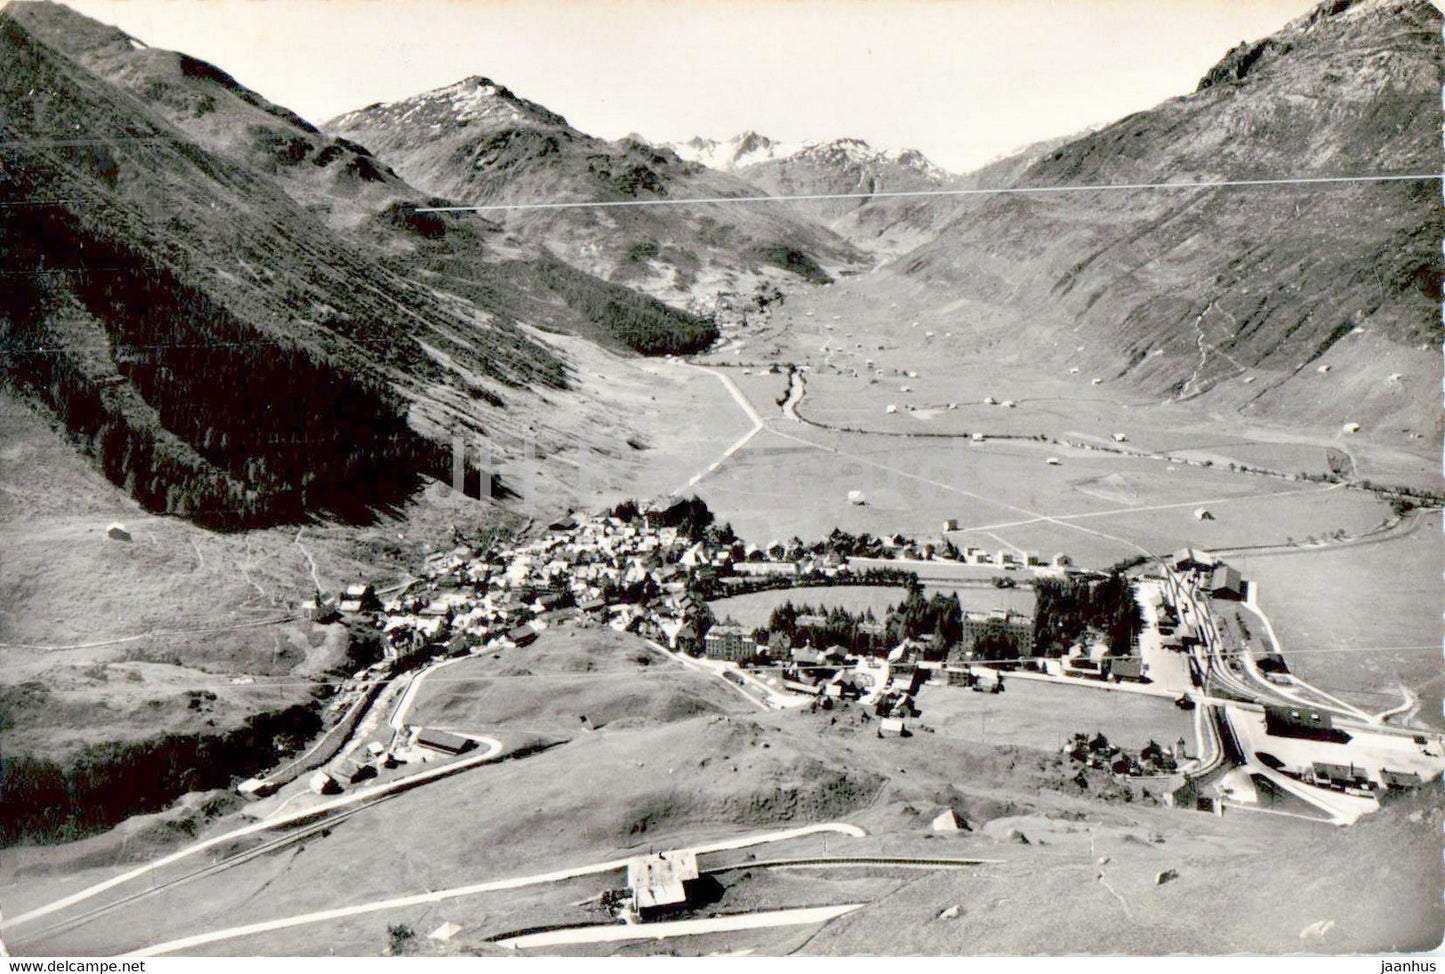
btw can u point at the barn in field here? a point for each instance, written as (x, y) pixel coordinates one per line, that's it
(442, 741)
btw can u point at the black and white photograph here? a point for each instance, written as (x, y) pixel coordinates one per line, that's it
(728, 478)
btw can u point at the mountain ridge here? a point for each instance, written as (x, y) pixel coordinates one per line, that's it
(1270, 278)
(343, 184)
(844, 167)
(477, 142)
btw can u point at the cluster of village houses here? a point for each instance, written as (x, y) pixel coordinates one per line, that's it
(1098, 752)
(634, 575)
(629, 574)
(640, 574)
(637, 575)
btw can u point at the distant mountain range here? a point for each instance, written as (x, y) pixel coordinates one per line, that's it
(748, 152)
(842, 166)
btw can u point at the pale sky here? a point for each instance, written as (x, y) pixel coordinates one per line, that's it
(965, 81)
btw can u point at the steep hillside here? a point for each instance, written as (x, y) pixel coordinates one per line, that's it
(342, 184)
(1180, 290)
(890, 226)
(474, 258)
(245, 343)
(477, 142)
(337, 180)
(160, 295)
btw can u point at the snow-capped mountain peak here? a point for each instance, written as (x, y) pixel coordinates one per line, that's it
(474, 98)
(749, 148)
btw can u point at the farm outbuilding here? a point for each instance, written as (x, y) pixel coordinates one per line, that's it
(1188, 559)
(1400, 780)
(442, 741)
(319, 609)
(1225, 583)
(1345, 777)
(256, 788)
(359, 598)
(522, 635)
(659, 882)
(892, 727)
(353, 771)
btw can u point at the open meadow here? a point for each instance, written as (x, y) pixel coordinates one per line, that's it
(570, 681)
(1031, 713)
(754, 609)
(1362, 621)
(1097, 506)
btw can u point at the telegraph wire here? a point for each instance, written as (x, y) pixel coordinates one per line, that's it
(926, 193)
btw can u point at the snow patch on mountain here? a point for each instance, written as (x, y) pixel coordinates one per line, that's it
(750, 149)
(472, 99)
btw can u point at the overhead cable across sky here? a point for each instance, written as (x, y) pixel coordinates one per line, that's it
(922, 193)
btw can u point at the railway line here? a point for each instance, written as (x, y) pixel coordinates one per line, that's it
(265, 848)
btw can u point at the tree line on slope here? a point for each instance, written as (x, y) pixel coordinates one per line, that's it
(48, 801)
(194, 411)
(642, 323)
